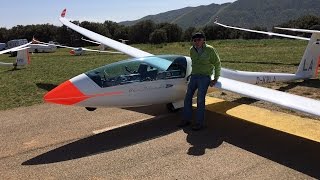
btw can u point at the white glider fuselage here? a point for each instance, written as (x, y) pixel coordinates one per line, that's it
(131, 95)
(134, 82)
(114, 86)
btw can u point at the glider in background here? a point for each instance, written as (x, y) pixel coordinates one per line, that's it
(22, 58)
(79, 50)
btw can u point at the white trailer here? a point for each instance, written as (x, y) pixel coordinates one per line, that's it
(16, 42)
(2, 46)
(37, 48)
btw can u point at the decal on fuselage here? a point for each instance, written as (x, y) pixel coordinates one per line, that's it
(265, 79)
(20, 61)
(149, 88)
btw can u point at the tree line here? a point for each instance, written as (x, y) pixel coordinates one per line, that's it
(142, 32)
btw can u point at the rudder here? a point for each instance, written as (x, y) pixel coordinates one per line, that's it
(309, 65)
(23, 58)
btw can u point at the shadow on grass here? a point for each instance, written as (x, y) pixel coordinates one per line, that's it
(13, 70)
(46, 86)
(315, 83)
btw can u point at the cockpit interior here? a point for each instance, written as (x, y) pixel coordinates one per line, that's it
(151, 68)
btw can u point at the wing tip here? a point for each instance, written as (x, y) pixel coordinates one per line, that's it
(63, 13)
(216, 20)
(299, 30)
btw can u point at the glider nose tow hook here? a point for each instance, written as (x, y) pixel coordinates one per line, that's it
(90, 108)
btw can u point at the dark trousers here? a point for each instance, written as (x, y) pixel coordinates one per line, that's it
(200, 82)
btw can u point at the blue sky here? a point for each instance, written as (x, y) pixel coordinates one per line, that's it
(16, 12)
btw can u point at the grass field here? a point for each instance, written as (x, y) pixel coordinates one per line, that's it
(27, 86)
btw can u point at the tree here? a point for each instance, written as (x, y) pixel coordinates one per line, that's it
(174, 32)
(63, 35)
(121, 33)
(158, 36)
(111, 27)
(188, 33)
(140, 32)
(3, 35)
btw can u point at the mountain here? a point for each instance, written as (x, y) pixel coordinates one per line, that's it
(244, 13)
(267, 13)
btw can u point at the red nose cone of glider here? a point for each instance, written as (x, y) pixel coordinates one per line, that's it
(72, 52)
(66, 94)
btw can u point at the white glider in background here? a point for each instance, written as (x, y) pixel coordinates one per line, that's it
(147, 79)
(79, 50)
(102, 47)
(42, 48)
(22, 58)
(94, 42)
(124, 41)
(263, 32)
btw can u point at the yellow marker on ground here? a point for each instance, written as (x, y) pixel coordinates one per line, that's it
(295, 125)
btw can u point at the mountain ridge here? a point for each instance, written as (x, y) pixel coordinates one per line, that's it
(244, 13)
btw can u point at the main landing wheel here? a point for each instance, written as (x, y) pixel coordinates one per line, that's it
(90, 108)
(171, 108)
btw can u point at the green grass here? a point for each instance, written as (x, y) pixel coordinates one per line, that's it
(27, 86)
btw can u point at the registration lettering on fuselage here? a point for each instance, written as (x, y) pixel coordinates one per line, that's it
(265, 79)
(306, 67)
(149, 88)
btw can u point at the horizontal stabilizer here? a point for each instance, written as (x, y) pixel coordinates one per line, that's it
(94, 50)
(6, 64)
(90, 41)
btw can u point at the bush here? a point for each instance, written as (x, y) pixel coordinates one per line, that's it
(158, 36)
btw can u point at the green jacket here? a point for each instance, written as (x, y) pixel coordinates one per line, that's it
(205, 62)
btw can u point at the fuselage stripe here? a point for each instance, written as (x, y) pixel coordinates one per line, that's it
(90, 96)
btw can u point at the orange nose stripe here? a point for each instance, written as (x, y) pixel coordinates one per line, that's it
(66, 94)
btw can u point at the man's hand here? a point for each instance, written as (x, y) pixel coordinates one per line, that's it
(213, 82)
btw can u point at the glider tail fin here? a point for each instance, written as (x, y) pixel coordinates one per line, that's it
(23, 57)
(310, 62)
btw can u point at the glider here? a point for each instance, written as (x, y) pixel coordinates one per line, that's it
(124, 41)
(78, 50)
(148, 79)
(102, 47)
(22, 58)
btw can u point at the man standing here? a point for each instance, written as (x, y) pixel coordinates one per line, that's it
(205, 59)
